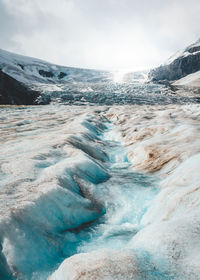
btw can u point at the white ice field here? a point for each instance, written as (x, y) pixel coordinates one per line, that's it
(100, 192)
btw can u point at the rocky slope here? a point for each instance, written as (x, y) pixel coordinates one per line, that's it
(33, 71)
(14, 92)
(25, 80)
(180, 65)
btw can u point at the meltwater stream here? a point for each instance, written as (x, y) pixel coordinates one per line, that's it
(67, 187)
(69, 195)
(125, 196)
(68, 191)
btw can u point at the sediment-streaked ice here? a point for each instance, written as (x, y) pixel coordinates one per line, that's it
(108, 193)
(41, 199)
(100, 264)
(164, 242)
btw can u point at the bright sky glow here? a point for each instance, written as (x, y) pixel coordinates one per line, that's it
(101, 34)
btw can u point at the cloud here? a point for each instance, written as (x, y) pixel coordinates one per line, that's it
(103, 34)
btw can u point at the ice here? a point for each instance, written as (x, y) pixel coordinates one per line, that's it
(184, 52)
(42, 198)
(192, 80)
(98, 192)
(158, 229)
(57, 185)
(179, 197)
(35, 230)
(102, 264)
(152, 135)
(28, 70)
(74, 86)
(125, 204)
(168, 240)
(105, 192)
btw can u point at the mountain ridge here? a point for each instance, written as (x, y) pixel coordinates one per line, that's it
(179, 65)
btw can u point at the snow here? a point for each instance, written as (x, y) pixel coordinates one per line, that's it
(26, 70)
(162, 241)
(68, 173)
(102, 264)
(192, 80)
(79, 86)
(41, 198)
(98, 192)
(72, 170)
(170, 233)
(152, 135)
(183, 53)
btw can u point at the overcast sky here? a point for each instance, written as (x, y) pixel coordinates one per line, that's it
(102, 34)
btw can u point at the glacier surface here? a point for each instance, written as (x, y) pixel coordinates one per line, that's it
(98, 191)
(104, 192)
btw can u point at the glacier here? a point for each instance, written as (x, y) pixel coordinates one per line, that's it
(60, 184)
(107, 192)
(50, 83)
(102, 183)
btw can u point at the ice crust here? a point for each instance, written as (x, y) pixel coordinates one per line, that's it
(100, 193)
(191, 80)
(102, 264)
(166, 244)
(74, 86)
(41, 195)
(158, 139)
(27, 70)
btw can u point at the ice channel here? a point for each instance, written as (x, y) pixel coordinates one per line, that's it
(125, 196)
(65, 193)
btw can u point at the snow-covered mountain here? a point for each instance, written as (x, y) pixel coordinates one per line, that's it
(181, 64)
(26, 81)
(53, 82)
(96, 192)
(44, 82)
(15, 92)
(191, 49)
(32, 75)
(33, 71)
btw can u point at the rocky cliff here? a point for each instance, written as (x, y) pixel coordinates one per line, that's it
(180, 65)
(14, 92)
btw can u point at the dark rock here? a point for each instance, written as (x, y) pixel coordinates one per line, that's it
(21, 66)
(46, 74)
(180, 67)
(62, 75)
(168, 84)
(193, 49)
(15, 93)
